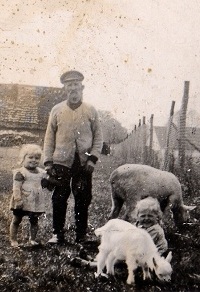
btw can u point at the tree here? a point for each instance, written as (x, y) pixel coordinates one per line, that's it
(113, 132)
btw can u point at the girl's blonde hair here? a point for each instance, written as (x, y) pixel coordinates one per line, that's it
(149, 204)
(29, 149)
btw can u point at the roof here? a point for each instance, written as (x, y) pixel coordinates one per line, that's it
(192, 137)
(27, 107)
(161, 135)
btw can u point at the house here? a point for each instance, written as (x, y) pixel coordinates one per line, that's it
(192, 146)
(25, 107)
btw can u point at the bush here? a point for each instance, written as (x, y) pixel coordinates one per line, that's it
(9, 138)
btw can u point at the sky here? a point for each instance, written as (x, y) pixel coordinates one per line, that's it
(135, 55)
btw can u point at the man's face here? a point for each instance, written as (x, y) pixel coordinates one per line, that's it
(74, 91)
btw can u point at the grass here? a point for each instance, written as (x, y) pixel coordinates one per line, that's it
(49, 268)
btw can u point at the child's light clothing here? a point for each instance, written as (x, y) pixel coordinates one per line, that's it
(28, 197)
(158, 236)
(27, 187)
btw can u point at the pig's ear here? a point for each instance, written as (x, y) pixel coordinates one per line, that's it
(189, 208)
(155, 264)
(169, 257)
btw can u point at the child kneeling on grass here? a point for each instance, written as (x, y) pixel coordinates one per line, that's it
(28, 197)
(149, 217)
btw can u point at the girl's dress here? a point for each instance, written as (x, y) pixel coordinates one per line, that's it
(27, 187)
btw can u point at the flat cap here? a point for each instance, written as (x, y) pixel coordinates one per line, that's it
(71, 75)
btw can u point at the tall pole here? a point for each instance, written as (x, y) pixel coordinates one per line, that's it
(167, 143)
(144, 140)
(151, 140)
(182, 126)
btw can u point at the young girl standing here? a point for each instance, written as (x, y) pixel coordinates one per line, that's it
(28, 197)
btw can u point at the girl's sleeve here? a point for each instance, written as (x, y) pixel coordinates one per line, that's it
(18, 180)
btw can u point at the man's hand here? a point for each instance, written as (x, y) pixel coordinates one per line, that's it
(89, 166)
(19, 204)
(49, 168)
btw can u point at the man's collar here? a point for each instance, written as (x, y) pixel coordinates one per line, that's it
(74, 106)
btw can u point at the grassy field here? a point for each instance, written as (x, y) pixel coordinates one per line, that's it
(50, 268)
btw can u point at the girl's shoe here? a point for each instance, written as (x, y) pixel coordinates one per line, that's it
(14, 243)
(33, 242)
(54, 239)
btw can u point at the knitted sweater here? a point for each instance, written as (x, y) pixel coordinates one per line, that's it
(69, 131)
(27, 187)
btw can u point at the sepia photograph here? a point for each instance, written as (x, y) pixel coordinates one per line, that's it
(99, 145)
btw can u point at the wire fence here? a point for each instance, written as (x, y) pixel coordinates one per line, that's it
(161, 146)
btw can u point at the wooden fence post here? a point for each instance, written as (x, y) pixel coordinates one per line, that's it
(138, 143)
(167, 155)
(144, 141)
(151, 141)
(182, 125)
(135, 143)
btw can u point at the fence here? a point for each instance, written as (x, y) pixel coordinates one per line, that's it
(159, 146)
(138, 146)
